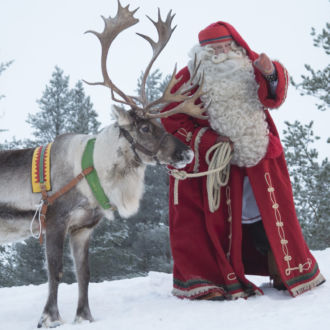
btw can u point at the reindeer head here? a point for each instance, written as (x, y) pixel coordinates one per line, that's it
(150, 142)
(148, 139)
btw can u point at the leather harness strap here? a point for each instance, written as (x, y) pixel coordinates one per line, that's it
(137, 146)
(49, 200)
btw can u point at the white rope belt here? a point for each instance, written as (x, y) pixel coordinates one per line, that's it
(217, 174)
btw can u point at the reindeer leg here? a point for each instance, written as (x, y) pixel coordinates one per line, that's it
(79, 247)
(50, 317)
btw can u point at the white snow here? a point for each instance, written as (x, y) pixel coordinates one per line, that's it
(146, 303)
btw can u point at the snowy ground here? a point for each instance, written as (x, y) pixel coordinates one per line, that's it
(146, 303)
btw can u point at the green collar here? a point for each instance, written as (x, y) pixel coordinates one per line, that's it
(92, 178)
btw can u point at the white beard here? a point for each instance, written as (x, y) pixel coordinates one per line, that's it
(235, 110)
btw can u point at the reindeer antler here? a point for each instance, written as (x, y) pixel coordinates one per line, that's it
(185, 95)
(188, 106)
(164, 31)
(112, 27)
(123, 20)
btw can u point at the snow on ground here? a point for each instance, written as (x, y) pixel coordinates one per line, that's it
(146, 303)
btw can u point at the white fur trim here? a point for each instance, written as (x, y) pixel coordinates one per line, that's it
(193, 292)
(308, 286)
(196, 147)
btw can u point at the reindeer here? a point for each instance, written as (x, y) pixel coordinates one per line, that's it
(121, 153)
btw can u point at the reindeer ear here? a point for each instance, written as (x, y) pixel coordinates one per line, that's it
(121, 115)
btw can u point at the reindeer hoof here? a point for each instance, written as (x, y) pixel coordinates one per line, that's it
(83, 315)
(81, 319)
(46, 322)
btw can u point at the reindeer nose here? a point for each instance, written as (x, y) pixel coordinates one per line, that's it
(184, 157)
(190, 156)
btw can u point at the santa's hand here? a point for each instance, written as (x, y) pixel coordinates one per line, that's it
(222, 138)
(264, 64)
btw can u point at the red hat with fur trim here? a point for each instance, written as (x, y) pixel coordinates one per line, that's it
(214, 33)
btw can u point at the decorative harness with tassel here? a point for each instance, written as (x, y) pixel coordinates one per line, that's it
(41, 182)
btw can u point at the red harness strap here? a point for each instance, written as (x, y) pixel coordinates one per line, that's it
(49, 200)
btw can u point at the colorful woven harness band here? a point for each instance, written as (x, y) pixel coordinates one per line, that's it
(40, 172)
(92, 178)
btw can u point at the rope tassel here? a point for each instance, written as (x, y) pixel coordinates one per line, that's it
(38, 212)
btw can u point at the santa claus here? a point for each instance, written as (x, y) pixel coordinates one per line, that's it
(255, 230)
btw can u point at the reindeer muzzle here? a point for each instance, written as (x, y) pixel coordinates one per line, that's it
(137, 146)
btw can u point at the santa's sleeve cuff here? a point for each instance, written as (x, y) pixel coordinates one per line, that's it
(280, 92)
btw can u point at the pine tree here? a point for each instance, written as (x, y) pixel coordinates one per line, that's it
(310, 176)
(317, 83)
(3, 67)
(155, 85)
(131, 247)
(148, 236)
(310, 180)
(83, 119)
(63, 110)
(7, 266)
(53, 119)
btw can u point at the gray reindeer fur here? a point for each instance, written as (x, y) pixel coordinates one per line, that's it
(77, 212)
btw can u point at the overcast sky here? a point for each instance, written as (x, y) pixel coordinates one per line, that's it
(40, 34)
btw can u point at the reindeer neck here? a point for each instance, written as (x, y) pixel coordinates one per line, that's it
(113, 152)
(119, 173)
(92, 177)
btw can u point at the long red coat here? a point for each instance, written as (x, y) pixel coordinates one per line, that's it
(214, 251)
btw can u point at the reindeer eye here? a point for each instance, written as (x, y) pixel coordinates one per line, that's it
(145, 129)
